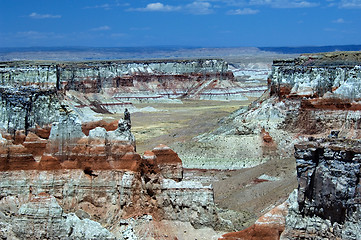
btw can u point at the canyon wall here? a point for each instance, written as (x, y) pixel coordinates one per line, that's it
(52, 187)
(329, 75)
(64, 178)
(31, 92)
(311, 114)
(158, 79)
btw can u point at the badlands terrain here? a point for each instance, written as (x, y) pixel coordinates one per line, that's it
(212, 146)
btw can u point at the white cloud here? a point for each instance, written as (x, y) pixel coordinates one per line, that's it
(339, 20)
(43, 16)
(196, 7)
(107, 6)
(157, 7)
(101, 28)
(331, 3)
(284, 3)
(199, 8)
(245, 11)
(350, 4)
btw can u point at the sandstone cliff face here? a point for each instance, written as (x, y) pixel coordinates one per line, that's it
(130, 80)
(314, 75)
(73, 186)
(22, 107)
(307, 95)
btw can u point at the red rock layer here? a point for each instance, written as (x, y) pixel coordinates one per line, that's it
(91, 84)
(89, 154)
(109, 126)
(268, 227)
(34, 144)
(168, 162)
(330, 104)
(43, 132)
(266, 137)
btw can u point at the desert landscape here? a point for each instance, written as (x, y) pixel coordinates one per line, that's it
(247, 147)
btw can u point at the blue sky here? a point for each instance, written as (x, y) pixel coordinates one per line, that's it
(198, 23)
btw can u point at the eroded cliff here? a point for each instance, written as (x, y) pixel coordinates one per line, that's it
(327, 202)
(308, 98)
(51, 187)
(66, 179)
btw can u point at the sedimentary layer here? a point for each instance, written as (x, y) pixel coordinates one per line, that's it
(311, 110)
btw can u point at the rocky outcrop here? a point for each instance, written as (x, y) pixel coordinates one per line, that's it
(128, 80)
(170, 165)
(327, 203)
(316, 75)
(325, 90)
(49, 221)
(69, 148)
(31, 93)
(308, 97)
(268, 227)
(24, 107)
(106, 196)
(52, 188)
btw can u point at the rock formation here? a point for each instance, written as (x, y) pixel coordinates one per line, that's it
(61, 178)
(308, 95)
(268, 227)
(128, 80)
(71, 180)
(327, 202)
(308, 98)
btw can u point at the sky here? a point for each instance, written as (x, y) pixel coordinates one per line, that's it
(186, 23)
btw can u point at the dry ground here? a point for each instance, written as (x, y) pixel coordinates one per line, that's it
(178, 122)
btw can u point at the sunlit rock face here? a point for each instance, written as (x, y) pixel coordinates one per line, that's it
(158, 80)
(307, 96)
(96, 180)
(314, 94)
(327, 202)
(318, 75)
(78, 186)
(22, 107)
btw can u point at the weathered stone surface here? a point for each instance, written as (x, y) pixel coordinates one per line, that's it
(131, 80)
(318, 74)
(268, 227)
(42, 217)
(50, 183)
(169, 163)
(35, 145)
(105, 196)
(23, 107)
(310, 95)
(109, 126)
(327, 203)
